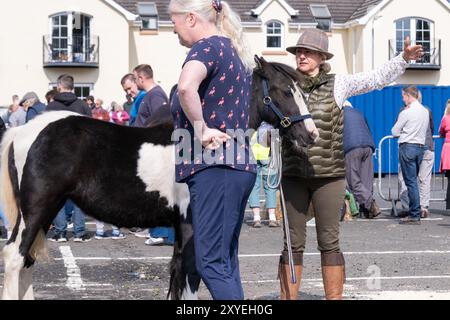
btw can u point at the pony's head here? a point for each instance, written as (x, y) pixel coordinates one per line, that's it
(277, 99)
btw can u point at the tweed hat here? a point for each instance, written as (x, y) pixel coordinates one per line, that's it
(313, 39)
(28, 95)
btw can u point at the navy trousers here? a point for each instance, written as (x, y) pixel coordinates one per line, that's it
(219, 196)
(410, 156)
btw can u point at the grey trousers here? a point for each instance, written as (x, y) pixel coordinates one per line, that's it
(423, 180)
(359, 175)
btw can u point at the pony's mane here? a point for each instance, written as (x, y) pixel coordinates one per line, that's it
(286, 70)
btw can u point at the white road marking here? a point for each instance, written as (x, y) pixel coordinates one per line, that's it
(358, 279)
(74, 280)
(86, 285)
(403, 295)
(268, 255)
(391, 220)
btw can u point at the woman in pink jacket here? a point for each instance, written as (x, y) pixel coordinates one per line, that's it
(119, 115)
(444, 132)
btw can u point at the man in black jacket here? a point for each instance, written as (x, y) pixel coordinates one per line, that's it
(358, 148)
(66, 100)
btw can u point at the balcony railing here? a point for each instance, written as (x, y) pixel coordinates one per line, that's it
(74, 51)
(431, 60)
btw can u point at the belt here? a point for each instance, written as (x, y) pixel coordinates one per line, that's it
(413, 144)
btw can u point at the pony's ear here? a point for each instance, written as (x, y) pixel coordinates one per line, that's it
(258, 62)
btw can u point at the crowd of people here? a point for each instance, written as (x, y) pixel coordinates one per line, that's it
(314, 179)
(134, 112)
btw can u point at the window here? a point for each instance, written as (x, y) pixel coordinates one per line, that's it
(274, 32)
(322, 16)
(420, 32)
(70, 38)
(60, 38)
(149, 15)
(81, 90)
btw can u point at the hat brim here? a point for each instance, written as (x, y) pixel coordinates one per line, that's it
(293, 50)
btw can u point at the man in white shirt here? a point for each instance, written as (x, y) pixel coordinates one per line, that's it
(411, 128)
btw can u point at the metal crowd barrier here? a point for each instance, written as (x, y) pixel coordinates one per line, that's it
(393, 190)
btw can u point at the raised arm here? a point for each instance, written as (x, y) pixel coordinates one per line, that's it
(353, 84)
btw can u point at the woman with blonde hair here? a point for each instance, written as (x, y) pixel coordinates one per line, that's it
(119, 115)
(444, 132)
(213, 93)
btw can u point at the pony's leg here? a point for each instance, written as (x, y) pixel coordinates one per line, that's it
(14, 263)
(190, 290)
(184, 279)
(26, 284)
(32, 246)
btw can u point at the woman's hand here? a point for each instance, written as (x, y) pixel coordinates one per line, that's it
(411, 53)
(213, 139)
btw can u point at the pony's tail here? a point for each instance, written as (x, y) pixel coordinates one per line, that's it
(9, 194)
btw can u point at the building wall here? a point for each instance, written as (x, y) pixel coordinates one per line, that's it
(21, 57)
(123, 46)
(385, 29)
(162, 51)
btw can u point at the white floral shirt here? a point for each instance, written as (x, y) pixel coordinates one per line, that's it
(349, 85)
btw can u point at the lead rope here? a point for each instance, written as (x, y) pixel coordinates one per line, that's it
(276, 166)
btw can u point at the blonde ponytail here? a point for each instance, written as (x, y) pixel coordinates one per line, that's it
(229, 24)
(227, 21)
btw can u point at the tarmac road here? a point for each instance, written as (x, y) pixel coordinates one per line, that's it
(384, 260)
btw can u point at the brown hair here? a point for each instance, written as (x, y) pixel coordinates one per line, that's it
(50, 95)
(144, 69)
(411, 91)
(128, 76)
(65, 81)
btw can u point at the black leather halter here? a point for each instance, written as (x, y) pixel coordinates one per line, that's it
(285, 121)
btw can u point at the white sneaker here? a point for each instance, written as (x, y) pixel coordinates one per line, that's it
(154, 241)
(142, 234)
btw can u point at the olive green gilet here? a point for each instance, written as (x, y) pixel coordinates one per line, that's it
(325, 158)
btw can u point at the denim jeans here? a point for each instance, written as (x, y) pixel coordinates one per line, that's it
(69, 207)
(270, 193)
(60, 222)
(410, 157)
(100, 228)
(3, 218)
(163, 232)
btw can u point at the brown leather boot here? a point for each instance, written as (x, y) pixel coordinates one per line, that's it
(374, 209)
(289, 290)
(333, 273)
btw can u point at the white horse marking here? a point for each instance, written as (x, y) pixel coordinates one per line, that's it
(309, 123)
(156, 168)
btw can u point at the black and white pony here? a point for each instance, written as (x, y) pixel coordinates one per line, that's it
(121, 175)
